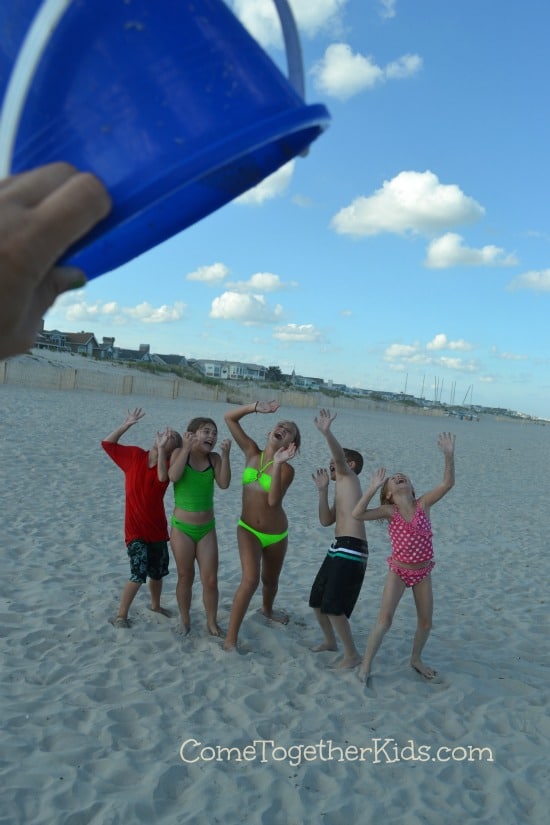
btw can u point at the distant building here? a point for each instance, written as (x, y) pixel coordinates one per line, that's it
(229, 370)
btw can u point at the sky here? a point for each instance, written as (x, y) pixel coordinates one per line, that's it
(410, 250)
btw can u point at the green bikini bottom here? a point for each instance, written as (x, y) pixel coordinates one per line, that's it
(265, 539)
(195, 532)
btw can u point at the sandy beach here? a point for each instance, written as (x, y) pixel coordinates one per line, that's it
(107, 726)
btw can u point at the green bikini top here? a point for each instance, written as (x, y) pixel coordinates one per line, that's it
(195, 489)
(251, 474)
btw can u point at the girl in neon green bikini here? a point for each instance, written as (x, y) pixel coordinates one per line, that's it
(193, 470)
(262, 531)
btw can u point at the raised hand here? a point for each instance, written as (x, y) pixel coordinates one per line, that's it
(225, 445)
(133, 416)
(446, 443)
(267, 406)
(321, 478)
(324, 420)
(285, 454)
(377, 478)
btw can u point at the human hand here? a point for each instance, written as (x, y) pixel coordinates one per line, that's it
(446, 443)
(321, 478)
(377, 478)
(285, 454)
(133, 416)
(42, 212)
(267, 406)
(188, 440)
(164, 437)
(324, 420)
(225, 446)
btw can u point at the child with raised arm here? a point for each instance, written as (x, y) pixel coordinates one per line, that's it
(411, 561)
(193, 470)
(338, 583)
(262, 531)
(145, 525)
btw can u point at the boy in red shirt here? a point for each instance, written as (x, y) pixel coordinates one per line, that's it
(145, 525)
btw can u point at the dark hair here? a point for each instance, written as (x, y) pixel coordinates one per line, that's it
(177, 437)
(357, 458)
(196, 424)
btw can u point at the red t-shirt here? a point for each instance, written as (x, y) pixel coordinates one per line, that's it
(144, 513)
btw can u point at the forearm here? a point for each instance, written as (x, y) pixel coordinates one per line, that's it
(116, 434)
(326, 515)
(224, 475)
(360, 508)
(449, 472)
(336, 450)
(162, 465)
(177, 465)
(235, 414)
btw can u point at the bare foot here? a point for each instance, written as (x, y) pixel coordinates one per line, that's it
(424, 670)
(324, 646)
(120, 621)
(182, 629)
(346, 663)
(278, 616)
(162, 610)
(363, 675)
(214, 629)
(229, 647)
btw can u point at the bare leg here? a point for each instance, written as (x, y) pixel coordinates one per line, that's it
(183, 549)
(250, 553)
(423, 598)
(207, 559)
(129, 593)
(155, 589)
(329, 642)
(351, 656)
(272, 563)
(391, 596)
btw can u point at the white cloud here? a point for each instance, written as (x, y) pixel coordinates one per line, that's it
(402, 356)
(271, 187)
(261, 19)
(405, 66)
(80, 310)
(149, 314)
(211, 274)
(441, 341)
(512, 356)
(449, 250)
(342, 74)
(297, 333)
(262, 282)
(535, 280)
(400, 350)
(247, 309)
(74, 308)
(409, 202)
(387, 8)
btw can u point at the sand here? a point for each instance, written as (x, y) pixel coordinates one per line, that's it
(106, 726)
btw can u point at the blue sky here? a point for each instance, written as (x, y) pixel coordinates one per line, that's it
(410, 249)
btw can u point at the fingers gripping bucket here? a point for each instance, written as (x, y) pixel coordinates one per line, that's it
(171, 103)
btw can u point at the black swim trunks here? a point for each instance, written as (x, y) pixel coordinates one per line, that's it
(147, 559)
(338, 583)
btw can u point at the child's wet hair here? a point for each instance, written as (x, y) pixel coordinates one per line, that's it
(357, 458)
(198, 423)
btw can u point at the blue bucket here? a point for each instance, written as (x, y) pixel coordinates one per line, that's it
(171, 103)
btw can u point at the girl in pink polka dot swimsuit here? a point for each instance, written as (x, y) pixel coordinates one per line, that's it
(411, 561)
